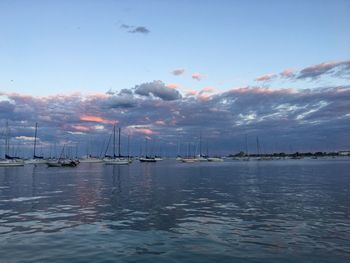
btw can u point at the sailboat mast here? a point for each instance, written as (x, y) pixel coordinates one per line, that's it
(146, 148)
(119, 141)
(200, 145)
(114, 141)
(207, 149)
(7, 140)
(35, 134)
(178, 148)
(246, 145)
(128, 146)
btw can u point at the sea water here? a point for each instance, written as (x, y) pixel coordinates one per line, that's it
(232, 211)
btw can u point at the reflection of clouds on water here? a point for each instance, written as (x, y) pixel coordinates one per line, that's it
(23, 199)
(233, 207)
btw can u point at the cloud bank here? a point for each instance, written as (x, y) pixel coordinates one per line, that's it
(284, 119)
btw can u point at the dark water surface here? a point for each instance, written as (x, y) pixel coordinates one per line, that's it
(272, 211)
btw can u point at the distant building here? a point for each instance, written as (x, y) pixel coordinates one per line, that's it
(344, 153)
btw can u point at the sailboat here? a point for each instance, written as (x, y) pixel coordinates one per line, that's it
(9, 160)
(200, 157)
(146, 158)
(62, 162)
(261, 157)
(178, 156)
(213, 159)
(36, 159)
(88, 158)
(116, 160)
(189, 158)
(159, 157)
(247, 158)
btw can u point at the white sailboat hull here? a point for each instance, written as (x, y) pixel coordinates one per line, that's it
(35, 161)
(11, 163)
(188, 160)
(91, 160)
(215, 159)
(116, 161)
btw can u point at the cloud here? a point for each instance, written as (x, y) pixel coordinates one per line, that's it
(80, 128)
(125, 26)
(287, 73)
(191, 93)
(98, 119)
(197, 76)
(178, 72)
(304, 119)
(144, 131)
(25, 138)
(266, 77)
(340, 69)
(157, 89)
(140, 29)
(135, 29)
(325, 68)
(207, 90)
(123, 100)
(172, 86)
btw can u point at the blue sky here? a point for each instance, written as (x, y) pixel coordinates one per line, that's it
(51, 47)
(279, 70)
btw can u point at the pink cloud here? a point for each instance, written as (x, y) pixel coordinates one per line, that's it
(172, 86)
(265, 77)
(329, 67)
(98, 120)
(197, 76)
(144, 131)
(140, 129)
(80, 128)
(203, 97)
(191, 93)
(207, 90)
(261, 90)
(287, 73)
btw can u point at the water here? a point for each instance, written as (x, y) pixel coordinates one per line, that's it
(272, 211)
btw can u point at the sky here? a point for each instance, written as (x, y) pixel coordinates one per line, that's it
(168, 71)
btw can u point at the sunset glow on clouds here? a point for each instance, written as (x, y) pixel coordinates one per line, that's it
(197, 76)
(140, 130)
(287, 73)
(154, 111)
(98, 120)
(265, 77)
(172, 86)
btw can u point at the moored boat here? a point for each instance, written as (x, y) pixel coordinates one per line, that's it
(188, 160)
(215, 159)
(36, 159)
(147, 159)
(90, 159)
(11, 162)
(116, 161)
